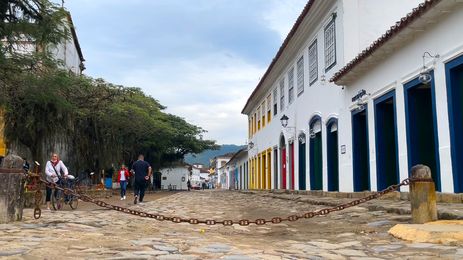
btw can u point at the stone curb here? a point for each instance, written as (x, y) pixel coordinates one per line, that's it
(443, 213)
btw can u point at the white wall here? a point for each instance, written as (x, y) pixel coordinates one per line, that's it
(358, 24)
(173, 176)
(403, 65)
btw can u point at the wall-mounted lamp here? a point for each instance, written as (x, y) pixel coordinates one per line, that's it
(425, 77)
(250, 145)
(284, 121)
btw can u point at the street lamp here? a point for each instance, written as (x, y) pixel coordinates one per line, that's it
(284, 121)
(250, 145)
(425, 77)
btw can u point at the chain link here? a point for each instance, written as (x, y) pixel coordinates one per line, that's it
(242, 222)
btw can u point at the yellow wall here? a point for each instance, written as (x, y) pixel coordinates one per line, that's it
(2, 137)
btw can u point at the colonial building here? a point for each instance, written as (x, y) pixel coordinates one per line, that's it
(403, 102)
(68, 53)
(218, 171)
(236, 170)
(294, 111)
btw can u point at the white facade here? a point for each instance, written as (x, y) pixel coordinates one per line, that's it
(236, 172)
(219, 163)
(392, 68)
(275, 151)
(175, 178)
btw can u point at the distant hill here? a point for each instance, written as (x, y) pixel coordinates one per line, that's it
(205, 156)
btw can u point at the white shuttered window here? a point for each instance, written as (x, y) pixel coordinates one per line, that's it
(300, 75)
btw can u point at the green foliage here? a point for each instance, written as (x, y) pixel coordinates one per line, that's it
(106, 123)
(102, 123)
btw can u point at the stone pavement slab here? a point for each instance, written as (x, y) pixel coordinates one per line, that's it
(440, 232)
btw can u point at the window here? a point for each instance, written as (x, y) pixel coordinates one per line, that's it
(255, 122)
(330, 45)
(263, 113)
(258, 118)
(275, 101)
(282, 94)
(269, 107)
(313, 63)
(291, 85)
(249, 127)
(300, 75)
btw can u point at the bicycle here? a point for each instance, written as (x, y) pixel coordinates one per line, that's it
(58, 198)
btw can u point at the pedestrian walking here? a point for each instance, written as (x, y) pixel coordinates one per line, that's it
(188, 184)
(53, 169)
(142, 171)
(123, 178)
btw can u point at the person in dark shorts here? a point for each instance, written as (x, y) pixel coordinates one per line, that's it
(142, 172)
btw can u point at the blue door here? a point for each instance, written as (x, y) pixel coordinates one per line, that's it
(421, 119)
(360, 150)
(454, 77)
(387, 168)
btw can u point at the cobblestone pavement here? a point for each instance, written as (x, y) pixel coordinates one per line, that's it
(355, 233)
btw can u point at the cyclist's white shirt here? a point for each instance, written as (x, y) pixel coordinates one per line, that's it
(60, 169)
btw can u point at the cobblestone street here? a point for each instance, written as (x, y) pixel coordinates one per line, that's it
(354, 233)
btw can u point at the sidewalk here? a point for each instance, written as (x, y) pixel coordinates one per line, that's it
(445, 211)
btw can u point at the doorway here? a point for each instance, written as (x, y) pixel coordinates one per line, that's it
(316, 159)
(360, 156)
(454, 77)
(283, 161)
(291, 166)
(421, 119)
(275, 169)
(302, 161)
(387, 167)
(332, 154)
(264, 171)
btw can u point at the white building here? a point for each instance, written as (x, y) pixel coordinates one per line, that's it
(236, 170)
(175, 177)
(305, 155)
(393, 116)
(69, 52)
(218, 170)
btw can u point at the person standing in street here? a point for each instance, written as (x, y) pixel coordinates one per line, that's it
(142, 171)
(123, 178)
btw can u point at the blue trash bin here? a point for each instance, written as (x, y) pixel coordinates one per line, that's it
(108, 183)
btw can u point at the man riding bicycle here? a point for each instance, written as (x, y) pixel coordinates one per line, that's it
(53, 170)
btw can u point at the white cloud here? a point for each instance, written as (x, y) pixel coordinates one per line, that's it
(209, 91)
(202, 61)
(282, 15)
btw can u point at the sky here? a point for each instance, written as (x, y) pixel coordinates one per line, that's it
(200, 58)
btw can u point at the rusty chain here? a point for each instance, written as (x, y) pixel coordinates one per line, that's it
(242, 222)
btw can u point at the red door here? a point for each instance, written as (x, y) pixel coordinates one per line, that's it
(291, 161)
(283, 168)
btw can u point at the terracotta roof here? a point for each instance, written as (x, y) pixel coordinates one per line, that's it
(394, 30)
(290, 35)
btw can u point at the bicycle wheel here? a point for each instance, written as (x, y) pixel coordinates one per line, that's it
(73, 202)
(57, 201)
